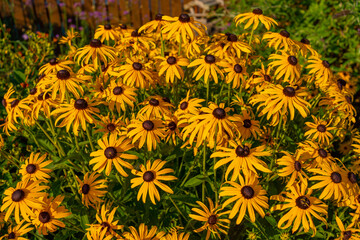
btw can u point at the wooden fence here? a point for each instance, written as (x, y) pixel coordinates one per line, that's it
(40, 13)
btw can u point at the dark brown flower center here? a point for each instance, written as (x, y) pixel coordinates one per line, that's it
(110, 127)
(110, 152)
(14, 103)
(53, 61)
(18, 195)
(321, 128)
(267, 78)
(341, 83)
(257, 11)
(148, 176)
(303, 202)
(247, 123)
(154, 102)
(117, 90)
(171, 60)
(80, 104)
(248, 192)
(31, 168)
(284, 33)
(137, 66)
(219, 113)
(42, 97)
(166, 99)
(63, 74)
(297, 166)
(95, 43)
(11, 235)
(107, 26)
(85, 189)
(210, 59)
(33, 91)
(242, 151)
(123, 26)
(348, 99)
(148, 125)
(335, 177)
(289, 91)
(326, 64)
(212, 219)
(232, 38)
(3, 102)
(44, 217)
(347, 235)
(135, 33)
(184, 105)
(184, 18)
(305, 41)
(352, 177)
(158, 16)
(105, 225)
(238, 68)
(292, 60)
(322, 153)
(172, 126)
(358, 200)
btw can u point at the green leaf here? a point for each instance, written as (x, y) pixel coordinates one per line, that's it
(195, 181)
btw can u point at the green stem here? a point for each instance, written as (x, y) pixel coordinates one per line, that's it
(229, 94)
(251, 36)
(204, 172)
(207, 91)
(50, 139)
(89, 137)
(162, 45)
(177, 208)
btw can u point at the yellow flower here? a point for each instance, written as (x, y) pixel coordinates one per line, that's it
(18, 231)
(143, 233)
(280, 41)
(54, 66)
(120, 95)
(70, 35)
(235, 70)
(91, 189)
(321, 70)
(287, 67)
(155, 107)
(149, 177)
(171, 66)
(34, 168)
(292, 167)
(253, 18)
(348, 233)
(106, 32)
(106, 222)
(154, 25)
(319, 131)
(208, 66)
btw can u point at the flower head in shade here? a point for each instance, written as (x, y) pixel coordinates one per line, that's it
(17, 232)
(149, 177)
(92, 189)
(143, 233)
(253, 18)
(319, 131)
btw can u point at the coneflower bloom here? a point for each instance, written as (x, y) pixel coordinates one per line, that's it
(93, 233)
(23, 199)
(70, 35)
(171, 66)
(255, 17)
(242, 157)
(171, 129)
(17, 232)
(143, 233)
(248, 195)
(317, 155)
(319, 131)
(154, 25)
(110, 126)
(280, 40)
(112, 152)
(92, 189)
(149, 177)
(34, 168)
(47, 218)
(189, 105)
(292, 167)
(174, 235)
(348, 233)
(287, 66)
(212, 217)
(248, 126)
(208, 66)
(106, 32)
(155, 107)
(78, 112)
(54, 65)
(306, 48)
(183, 27)
(302, 207)
(235, 71)
(321, 70)
(235, 47)
(105, 218)
(43, 102)
(97, 52)
(120, 95)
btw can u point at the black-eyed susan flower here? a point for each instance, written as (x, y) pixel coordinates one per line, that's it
(106, 32)
(154, 25)
(134, 73)
(171, 129)
(70, 35)
(208, 66)
(17, 232)
(143, 233)
(93, 233)
(92, 189)
(144, 129)
(171, 67)
(242, 157)
(280, 40)
(110, 126)
(332, 182)
(105, 219)
(47, 218)
(55, 65)
(348, 233)
(255, 17)
(183, 27)
(287, 66)
(319, 131)
(43, 103)
(34, 168)
(235, 71)
(316, 154)
(16, 109)
(23, 199)
(302, 207)
(234, 47)
(213, 218)
(140, 42)
(261, 78)
(120, 95)
(293, 168)
(77, 112)
(149, 177)
(112, 152)
(248, 126)
(321, 70)
(61, 83)
(175, 235)
(277, 99)
(155, 107)
(189, 105)
(305, 47)
(248, 196)
(96, 51)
